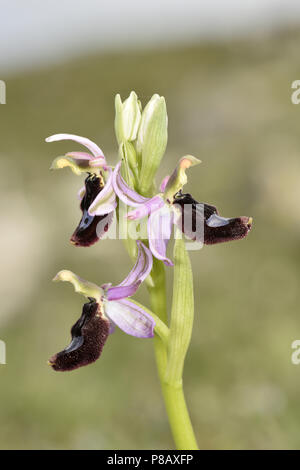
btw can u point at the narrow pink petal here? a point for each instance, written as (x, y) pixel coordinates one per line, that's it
(124, 192)
(121, 292)
(159, 233)
(142, 267)
(131, 318)
(149, 207)
(99, 162)
(79, 155)
(164, 183)
(105, 202)
(96, 151)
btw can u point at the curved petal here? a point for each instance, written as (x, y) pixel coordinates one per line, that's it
(159, 233)
(86, 288)
(105, 202)
(99, 162)
(164, 183)
(121, 292)
(91, 146)
(94, 162)
(178, 178)
(137, 275)
(131, 318)
(154, 204)
(79, 155)
(142, 267)
(124, 192)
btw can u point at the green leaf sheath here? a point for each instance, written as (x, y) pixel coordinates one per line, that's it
(182, 315)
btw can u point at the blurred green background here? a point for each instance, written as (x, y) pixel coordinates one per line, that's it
(229, 103)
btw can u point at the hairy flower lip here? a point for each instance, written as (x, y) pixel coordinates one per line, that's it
(236, 229)
(216, 229)
(88, 336)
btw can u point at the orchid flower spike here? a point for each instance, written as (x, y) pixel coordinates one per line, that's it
(170, 207)
(108, 306)
(98, 199)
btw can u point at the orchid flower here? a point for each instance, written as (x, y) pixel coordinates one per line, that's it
(170, 207)
(108, 306)
(98, 200)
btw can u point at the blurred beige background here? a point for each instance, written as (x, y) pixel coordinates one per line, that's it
(229, 103)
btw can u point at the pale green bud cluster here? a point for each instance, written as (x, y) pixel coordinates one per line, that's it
(142, 137)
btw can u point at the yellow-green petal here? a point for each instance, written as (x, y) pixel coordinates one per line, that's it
(77, 166)
(178, 178)
(86, 288)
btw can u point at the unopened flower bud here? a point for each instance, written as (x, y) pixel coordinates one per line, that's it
(128, 116)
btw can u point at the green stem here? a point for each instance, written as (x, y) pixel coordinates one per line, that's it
(179, 417)
(175, 403)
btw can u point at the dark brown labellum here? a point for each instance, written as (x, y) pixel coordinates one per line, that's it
(91, 228)
(89, 335)
(201, 222)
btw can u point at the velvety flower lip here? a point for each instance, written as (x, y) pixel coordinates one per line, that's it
(89, 335)
(216, 229)
(108, 306)
(95, 223)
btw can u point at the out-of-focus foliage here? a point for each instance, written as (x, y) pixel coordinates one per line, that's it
(229, 104)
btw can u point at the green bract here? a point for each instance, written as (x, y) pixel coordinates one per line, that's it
(182, 314)
(151, 141)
